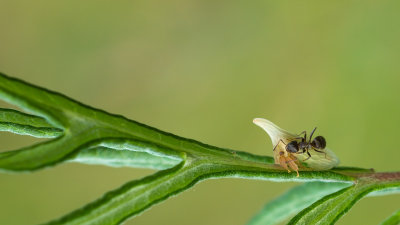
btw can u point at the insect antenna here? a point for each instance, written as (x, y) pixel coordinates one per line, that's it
(312, 132)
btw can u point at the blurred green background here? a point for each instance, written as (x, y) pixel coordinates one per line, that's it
(204, 70)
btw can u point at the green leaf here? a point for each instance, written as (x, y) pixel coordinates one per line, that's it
(122, 158)
(84, 127)
(136, 196)
(394, 219)
(386, 191)
(26, 124)
(131, 198)
(293, 201)
(87, 135)
(127, 152)
(330, 208)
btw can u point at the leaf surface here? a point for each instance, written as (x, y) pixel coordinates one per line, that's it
(293, 201)
(330, 208)
(26, 124)
(393, 219)
(83, 134)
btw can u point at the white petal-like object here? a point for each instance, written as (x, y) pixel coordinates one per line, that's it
(275, 133)
(280, 138)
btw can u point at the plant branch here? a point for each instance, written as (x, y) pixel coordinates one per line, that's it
(87, 135)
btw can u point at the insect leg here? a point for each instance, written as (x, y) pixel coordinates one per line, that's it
(282, 162)
(301, 152)
(309, 156)
(293, 165)
(305, 135)
(280, 140)
(320, 152)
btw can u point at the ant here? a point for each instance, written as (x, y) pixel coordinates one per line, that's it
(317, 144)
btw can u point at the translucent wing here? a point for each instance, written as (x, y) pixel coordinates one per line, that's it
(319, 161)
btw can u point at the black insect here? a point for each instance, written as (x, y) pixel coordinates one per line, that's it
(317, 144)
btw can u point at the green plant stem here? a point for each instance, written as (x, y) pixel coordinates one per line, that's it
(88, 135)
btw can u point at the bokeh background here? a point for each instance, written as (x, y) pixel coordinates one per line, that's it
(204, 70)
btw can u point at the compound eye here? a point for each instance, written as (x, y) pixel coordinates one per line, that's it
(319, 142)
(292, 147)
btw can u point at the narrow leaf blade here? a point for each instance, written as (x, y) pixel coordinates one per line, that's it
(123, 158)
(26, 124)
(394, 219)
(330, 208)
(294, 201)
(136, 196)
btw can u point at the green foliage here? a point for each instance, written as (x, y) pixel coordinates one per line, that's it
(87, 135)
(330, 208)
(294, 201)
(25, 124)
(394, 219)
